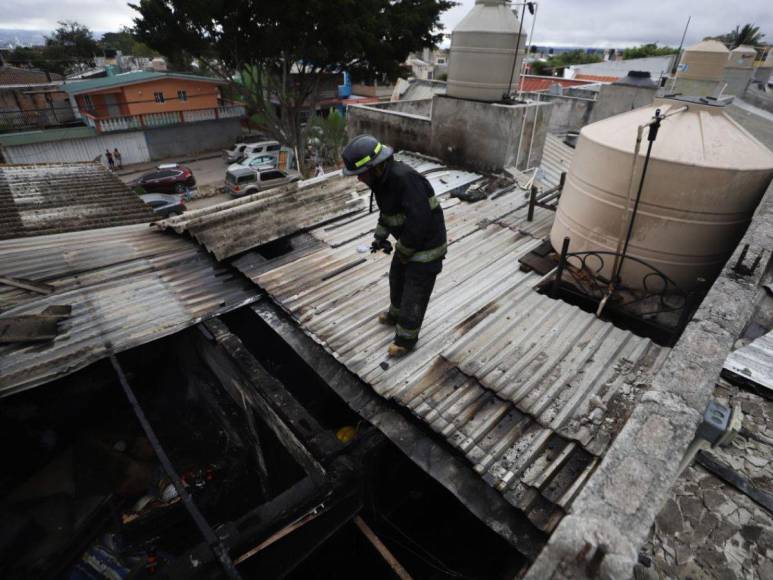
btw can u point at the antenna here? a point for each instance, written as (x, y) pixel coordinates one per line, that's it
(681, 44)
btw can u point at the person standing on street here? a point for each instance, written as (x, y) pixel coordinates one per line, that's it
(117, 157)
(109, 157)
(410, 212)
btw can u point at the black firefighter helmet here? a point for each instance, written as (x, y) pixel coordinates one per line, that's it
(363, 153)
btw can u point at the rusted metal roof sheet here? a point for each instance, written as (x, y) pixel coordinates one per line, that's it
(127, 286)
(229, 228)
(53, 198)
(529, 389)
(238, 225)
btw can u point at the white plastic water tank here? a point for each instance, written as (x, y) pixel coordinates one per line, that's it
(482, 62)
(705, 178)
(704, 61)
(742, 57)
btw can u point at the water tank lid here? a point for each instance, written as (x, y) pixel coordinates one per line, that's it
(744, 49)
(702, 136)
(637, 78)
(708, 46)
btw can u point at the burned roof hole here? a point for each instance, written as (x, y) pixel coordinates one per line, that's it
(276, 248)
(286, 365)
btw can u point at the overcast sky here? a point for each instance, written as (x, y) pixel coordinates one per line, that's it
(600, 23)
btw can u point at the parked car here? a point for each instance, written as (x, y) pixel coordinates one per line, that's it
(245, 180)
(164, 204)
(265, 161)
(242, 150)
(169, 180)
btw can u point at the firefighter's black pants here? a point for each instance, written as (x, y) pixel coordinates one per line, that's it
(410, 288)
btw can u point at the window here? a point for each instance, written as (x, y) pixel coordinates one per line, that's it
(159, 97)
(89, 104)
(182, 95)
(250, 177)
(273, 148)
(270, 175)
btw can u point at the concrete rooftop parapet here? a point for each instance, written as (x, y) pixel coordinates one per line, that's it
(613, 514)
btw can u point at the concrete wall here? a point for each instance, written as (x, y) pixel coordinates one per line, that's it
(737, 80)
(421, 107)
(763, 100)
(616, 99)
(132, 145)
(135, 146)
(489, 136)
(569, 113)
(482, 136)
(192, 138)
(395, 128)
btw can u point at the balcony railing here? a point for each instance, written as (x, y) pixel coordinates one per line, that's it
(154, 120)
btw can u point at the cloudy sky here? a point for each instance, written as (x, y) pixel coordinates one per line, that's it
(560, 22)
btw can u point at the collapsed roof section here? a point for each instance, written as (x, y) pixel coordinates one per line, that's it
(126, 286)
(52, 198)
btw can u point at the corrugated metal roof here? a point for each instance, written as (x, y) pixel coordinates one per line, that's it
(529, 389)
(754, 362)
(64, 197)
(127, 286)
(232, 227)
(556, 158)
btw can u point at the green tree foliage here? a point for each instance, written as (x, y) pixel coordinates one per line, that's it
(646, 50)
(327, 136)
(563, 60)
(278, 51)
(748, 34)
(125, 42)
(70, 48)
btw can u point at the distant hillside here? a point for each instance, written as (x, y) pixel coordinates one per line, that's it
(11, 37)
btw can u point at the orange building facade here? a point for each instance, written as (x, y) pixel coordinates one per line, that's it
(164, 93)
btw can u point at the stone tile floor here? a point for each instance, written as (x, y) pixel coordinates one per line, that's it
(708, 529)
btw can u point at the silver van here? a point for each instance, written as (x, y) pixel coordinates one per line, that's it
(242, 180)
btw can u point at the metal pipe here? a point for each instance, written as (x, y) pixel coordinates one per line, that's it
(530, 40)
(520, 139)
(533, 132)
(389, 558)
(560, 269)
(625, 218)
(215, 543)
(506, 96)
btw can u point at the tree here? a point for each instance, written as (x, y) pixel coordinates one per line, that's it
(71, 47)
(124, 41)
(328, 136)
(564, 59)
(276, 53)
(646, 50)
(747, 34)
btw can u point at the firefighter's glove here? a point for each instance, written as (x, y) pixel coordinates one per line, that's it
(381, 246)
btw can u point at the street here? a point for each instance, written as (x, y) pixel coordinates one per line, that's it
(209, 171)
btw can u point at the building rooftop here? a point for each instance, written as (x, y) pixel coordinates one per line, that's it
(12, 75)
(529, 389)
(126, 286)
(131, 78)
(54, 198)
(534, 83)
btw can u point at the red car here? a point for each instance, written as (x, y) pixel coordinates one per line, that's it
(177, 179)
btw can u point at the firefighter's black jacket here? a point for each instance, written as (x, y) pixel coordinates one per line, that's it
(410, 212)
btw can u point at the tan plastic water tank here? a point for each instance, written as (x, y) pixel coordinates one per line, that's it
(704, 61)
(481, 60)
(705, 178)
(742, 57)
